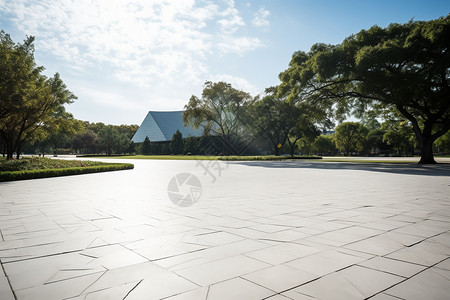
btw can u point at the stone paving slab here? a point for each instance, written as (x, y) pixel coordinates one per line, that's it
(257, 230)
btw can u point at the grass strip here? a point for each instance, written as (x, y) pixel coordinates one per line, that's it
(207, 157)
(264, 158)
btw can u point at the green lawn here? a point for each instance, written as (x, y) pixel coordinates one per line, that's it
(352, 159)
(204, 157)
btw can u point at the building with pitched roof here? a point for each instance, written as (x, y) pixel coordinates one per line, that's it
(160, 126)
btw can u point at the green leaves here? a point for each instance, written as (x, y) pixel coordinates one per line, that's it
(219, 111)
(403, 67)
(27, 98)
(350, 137)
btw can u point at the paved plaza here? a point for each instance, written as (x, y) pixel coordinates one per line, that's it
(243, 230)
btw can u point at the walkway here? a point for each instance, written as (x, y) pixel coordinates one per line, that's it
(254, 230)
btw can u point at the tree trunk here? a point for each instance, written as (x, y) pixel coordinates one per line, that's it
(277, 150)
(9, 150)
(18, 151)
(426, 150)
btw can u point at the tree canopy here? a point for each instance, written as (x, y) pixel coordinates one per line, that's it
(280, 121)
(350, 137)
(27, 98)
(219, 111)
(404, 68)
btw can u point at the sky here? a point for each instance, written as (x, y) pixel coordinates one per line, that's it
(125, 58)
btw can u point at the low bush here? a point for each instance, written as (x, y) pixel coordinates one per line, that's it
(31, 168)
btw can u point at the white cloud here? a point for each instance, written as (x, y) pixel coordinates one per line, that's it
(141, 42)
(237, 83)
(109, 99)
(231, 20)
(260, 18)
(240, 45)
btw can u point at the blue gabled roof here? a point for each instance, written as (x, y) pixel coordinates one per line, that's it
(160, 126)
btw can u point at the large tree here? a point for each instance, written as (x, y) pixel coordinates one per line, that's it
(27, 98)
(403, 68)
(219, 112)
(281, 121)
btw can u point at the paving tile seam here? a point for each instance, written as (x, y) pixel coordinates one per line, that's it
(427, 238)
(443, 268)
(70, 278)
(383, 271)
(103, 274)
(369, 253)
(7, 279)
(396, 297)
(207, 293)
(30, 246)
(169, 256)
(129, 292)
(408, 278)
(43, 256)
(248, 280)
(305, 283)
(355, 287)
(405, 261)
(278, 294)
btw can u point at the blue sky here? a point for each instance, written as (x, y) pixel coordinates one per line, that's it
(124, 58)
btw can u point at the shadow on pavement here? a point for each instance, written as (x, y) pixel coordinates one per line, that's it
(396, 168)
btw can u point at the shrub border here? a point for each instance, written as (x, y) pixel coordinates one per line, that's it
(44, 173)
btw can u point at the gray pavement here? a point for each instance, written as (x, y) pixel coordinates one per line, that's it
(253, 230)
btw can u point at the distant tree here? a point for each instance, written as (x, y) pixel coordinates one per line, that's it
(191, 145)
(399, 134)
(176, 144)
(127, 130)
(113, 140)
(402, 68)
(443, 143)
(375, 141)
(350, 137)
(147, 146)
(131, 148)
(95, 127)
(324, 145)
(219, 112)
(87, 141)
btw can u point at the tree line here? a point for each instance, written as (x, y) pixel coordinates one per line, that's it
(401, 72)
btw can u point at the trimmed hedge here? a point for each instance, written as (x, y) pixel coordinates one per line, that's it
(43, 173)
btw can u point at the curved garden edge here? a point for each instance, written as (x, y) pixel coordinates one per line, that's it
(56, 172)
